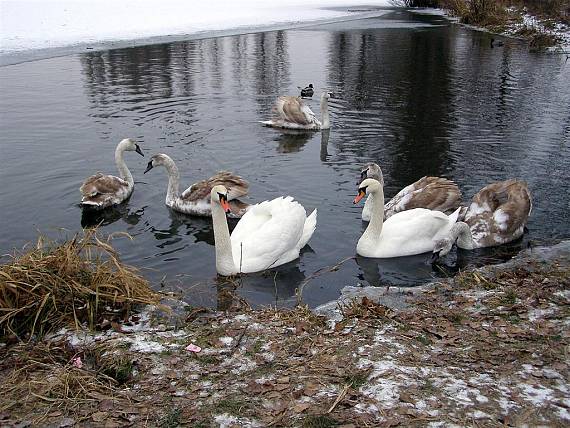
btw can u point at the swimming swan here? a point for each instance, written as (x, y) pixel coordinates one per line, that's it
(433, 193)
(101, 191)
(270, 234)
(403, 234)
(293, 113)
(497, 215)
(196, 199)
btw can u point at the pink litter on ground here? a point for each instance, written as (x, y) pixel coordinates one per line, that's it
(77, 362)
(193, 348)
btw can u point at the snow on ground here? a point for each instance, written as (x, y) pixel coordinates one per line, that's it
(44, 24)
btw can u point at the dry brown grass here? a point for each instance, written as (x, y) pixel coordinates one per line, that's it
(43, 377)
(78, 281)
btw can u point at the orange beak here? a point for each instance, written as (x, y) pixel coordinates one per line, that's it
(361, 194)
(225, 204)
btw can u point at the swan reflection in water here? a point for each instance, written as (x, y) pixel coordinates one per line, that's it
(417, 270)
(277, 286)
(402, 271)
(92, 218)
(291, 141)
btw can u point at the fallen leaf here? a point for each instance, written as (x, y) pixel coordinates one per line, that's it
(106, 405)
(301, 407)
(99, 416)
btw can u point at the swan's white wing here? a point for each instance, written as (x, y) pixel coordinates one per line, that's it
(266, 232)
(413, 231)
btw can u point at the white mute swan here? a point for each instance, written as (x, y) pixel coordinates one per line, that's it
(270, 234)
(101, 191)
(497, 215)
(196, 199)
(433, 193)
(405, 233)
(293, 113)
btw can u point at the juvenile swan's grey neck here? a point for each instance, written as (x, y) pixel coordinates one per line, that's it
(326, 124)
(173, 181)
(121, 165)
(462, 232)
(224, 257)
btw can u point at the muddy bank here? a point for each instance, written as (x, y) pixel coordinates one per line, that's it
(486, 348)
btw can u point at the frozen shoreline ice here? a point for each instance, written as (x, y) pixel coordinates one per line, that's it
(33, 29)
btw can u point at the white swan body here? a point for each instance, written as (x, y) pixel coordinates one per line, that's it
(405, 233)
(497, 215)
(195, 200)
(270, 234)
(293, 113)
(101, 191)
(433, 193)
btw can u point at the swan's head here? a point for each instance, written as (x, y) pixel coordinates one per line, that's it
(159, 159)
(371, 170)
(367, 187)
(441, 248)
(219, 195)
(131, 146)
(327, 95)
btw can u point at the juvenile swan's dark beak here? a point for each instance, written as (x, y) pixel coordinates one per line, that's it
(434, 257)
(139, 151)
(148, 167)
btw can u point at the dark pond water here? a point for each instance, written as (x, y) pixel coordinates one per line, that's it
(417, 95)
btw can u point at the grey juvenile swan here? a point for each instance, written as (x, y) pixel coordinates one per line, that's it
(101, 191)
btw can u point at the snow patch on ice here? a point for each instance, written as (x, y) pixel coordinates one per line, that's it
(32, 24)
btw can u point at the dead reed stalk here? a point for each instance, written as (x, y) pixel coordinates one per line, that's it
(80, 281)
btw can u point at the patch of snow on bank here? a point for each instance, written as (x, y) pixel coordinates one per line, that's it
(226, 420)
(560, 30)
(32, 24)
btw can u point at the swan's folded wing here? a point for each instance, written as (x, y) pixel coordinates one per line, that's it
(508, 203)
(434, 193)
(102, 184)
(426, 221)
(267, 231)
(415, 229)
(236, 185)
(292, 109)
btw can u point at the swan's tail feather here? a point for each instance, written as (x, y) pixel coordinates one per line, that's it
(455, 215)
(462, 213)
(308, 229)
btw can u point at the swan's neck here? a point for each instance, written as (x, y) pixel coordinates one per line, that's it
(462, 233)
(374, 228)
(224, 257)
(122, 166)
(325, 119)
(173, 181)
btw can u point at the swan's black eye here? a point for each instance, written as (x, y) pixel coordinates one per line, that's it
(222, 197)
(363, 189)
(364, 174)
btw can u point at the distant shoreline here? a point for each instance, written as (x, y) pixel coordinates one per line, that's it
(14, 58)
